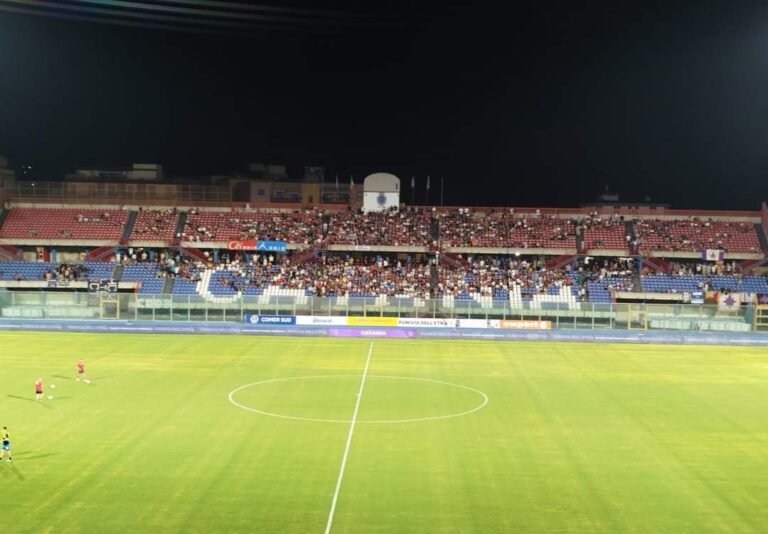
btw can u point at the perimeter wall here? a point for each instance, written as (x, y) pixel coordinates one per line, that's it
(395, 313)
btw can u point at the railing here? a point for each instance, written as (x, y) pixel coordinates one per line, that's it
(129, 306)
(646, 212)
(118, 193)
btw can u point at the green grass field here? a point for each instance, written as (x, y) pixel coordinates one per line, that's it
(574, 437)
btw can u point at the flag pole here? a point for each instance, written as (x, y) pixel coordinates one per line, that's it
(442, 183)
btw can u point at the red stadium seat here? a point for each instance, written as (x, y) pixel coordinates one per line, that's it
(70, 223)
(694, 235)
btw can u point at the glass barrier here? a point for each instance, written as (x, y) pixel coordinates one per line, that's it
(587, 315)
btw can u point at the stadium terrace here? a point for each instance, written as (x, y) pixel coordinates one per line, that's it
(290, 255)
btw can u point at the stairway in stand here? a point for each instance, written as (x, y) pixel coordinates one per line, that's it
(629, 229)
(168, 286)
(179, 228)
(433, 279)
(580, 248)
(762, 237)
(128, 228)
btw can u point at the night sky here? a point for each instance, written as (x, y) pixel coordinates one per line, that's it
(543, 105)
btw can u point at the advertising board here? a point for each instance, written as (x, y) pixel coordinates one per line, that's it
(419, 322)
(525, 325)
(263, 246)
(242, 245)
(270, 320)
(372, 321)
(477, 323)
(312, 320)
(372, 332)
(271, 246)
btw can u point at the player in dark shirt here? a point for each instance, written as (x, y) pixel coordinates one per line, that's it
(6, 446)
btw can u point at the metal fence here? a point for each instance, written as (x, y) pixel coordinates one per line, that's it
(142, 307)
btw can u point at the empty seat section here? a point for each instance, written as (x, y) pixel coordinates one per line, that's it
(670, 283)
(146, 275)
(37, 271)
(601, 291)
(54, 223)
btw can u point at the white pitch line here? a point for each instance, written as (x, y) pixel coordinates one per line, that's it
(364, 421)
(352, 424)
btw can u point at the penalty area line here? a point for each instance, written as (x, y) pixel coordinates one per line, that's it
(344, 457)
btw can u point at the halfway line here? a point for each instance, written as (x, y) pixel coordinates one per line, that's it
(352, 424)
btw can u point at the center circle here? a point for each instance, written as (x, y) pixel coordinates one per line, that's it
(338, 393)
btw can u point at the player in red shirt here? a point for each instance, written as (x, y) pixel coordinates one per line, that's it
(81, 370)
(39, 388)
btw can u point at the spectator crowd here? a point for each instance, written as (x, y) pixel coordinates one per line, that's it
(695, 235)
(500, 228)
(67, 272)
(409, 227)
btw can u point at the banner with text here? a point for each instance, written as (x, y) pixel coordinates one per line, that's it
(261, 246)
(270, 320)
(271, 246)
(242, 245)
(372, 321)
(312, 320)
(525, 325)
(371, 332)
(420, 322)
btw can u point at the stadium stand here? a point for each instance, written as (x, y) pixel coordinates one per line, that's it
(479, 281)
(188, 285)
(23, 270)
(482, 282)
(695, 235)
(668, 283)
(406, 228)
(601, 290)
(70, 224)
(37, 271)
(458, 227)
(465, 227)
(155, 225)
(147, 275)
(296, 227)
(331, 276)
(603, 233)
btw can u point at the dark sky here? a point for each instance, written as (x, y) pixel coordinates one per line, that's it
(542, 105)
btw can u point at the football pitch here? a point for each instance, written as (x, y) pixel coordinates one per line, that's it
(187, 433)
